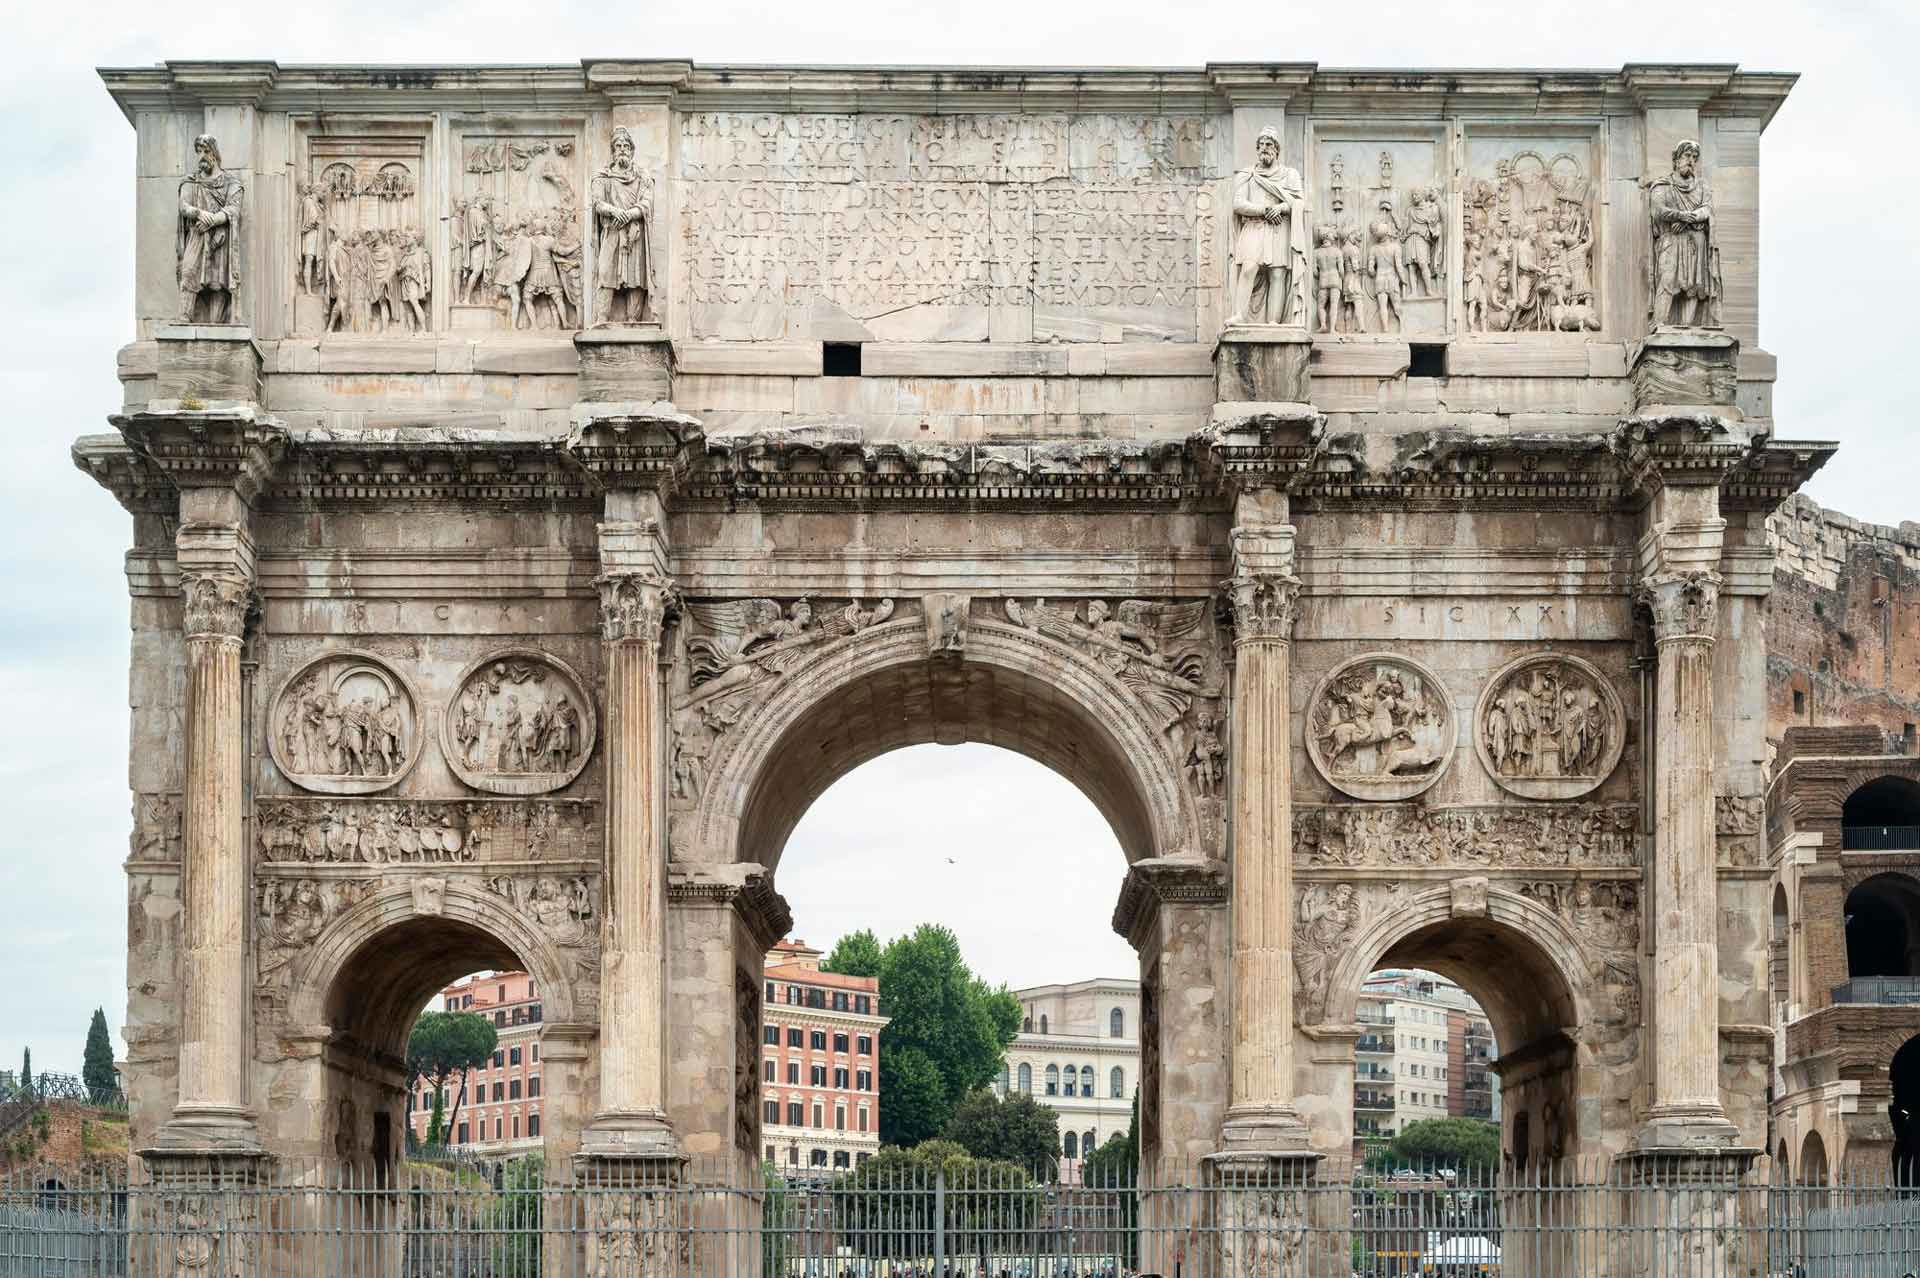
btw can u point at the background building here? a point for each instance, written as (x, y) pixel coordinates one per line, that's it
(1078, 1051)
(820, 1062)
(501, 1110)
(1423, 1052)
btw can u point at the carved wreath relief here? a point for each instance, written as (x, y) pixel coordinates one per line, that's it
(1380, 727)
(1549, 727)
(345, 723)
(520, 724)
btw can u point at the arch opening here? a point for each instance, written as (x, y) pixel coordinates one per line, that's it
(1881, 814)
(1813, 1160)
(1903, 1111)
(1426, 1052)
(1882, 918)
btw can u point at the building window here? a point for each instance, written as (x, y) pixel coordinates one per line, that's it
(499, 1091)
(796, 1114)
(863, 1118)
(862, 1004)
(1006, 1078)
(513, 1089)
(839, 1118)
(839, 1001)
(769, 991)
(796, 1037)
(516, 1127)
(793, 1073)
(1069, 1079)
(767, 1071)
(865, 1042)
(770, 1111)
(817, 1075)
(1043, 1022)
(513, 1056)
(865, 1078)
(500, 1019)
(1086, 1144)
(497, 1128)
(1072, 1144)
(1086, 1080)
(839, 1042)
(818, 1158)
(533, 1087)
(771, 1035)
(840, 1079)
(1117, 1083)
(1117, 1024)
(461, 1137)
(819, 1043)
(793, 997)
(1026, 1078)
(819, 1116)
(499, 1059)
(533, 1124)
(840, 1158)
(769, 1153)
(1053, 1080)
(535, 1056)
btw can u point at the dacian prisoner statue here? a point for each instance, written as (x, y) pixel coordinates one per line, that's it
(1269, 239)
(622, 212)
(1686, 252)
(209, 221)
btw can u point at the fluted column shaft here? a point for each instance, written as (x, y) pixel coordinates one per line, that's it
(1686, 965)
(1263, 593)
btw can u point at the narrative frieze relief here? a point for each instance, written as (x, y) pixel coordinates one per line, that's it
(424, 832)
(159, 828)
(567, 909)
(345, 723)
(1380, 726)
(518, 219)
(1380, 252)
(1439, 617)
(1530, 246)
(1585, 834)
(1549, 726)
(1605, 915)
(521, 723)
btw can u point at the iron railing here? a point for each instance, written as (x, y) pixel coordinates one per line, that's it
(1878, 989)
(1233, 1218)
(1879, 838)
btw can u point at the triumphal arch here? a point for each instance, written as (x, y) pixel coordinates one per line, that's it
(547, 480)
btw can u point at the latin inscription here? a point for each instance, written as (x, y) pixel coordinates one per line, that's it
(786, 219)
(1442, 618)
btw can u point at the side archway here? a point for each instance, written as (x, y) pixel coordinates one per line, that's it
(883, 689)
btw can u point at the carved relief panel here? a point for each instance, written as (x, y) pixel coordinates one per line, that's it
(1531, 251)
(518, 226)
(521, 723)
(1549, 726)
(1382, 213)
(345, 723)
(402, 832)
(362, 240)
(1380, 726)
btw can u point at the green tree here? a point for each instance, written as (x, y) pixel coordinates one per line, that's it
(26, 1069)
(444, 1044)
(437, 1122)
(855, 954)
(953, 1019)
(1111, 1172)
(96, 1069)
(992, 1207)
(1433, 1143)
(1016, 1129)
(515, 1220)
(774, 1240)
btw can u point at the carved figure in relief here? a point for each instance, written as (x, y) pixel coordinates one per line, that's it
(1549, 728)
(1529, 247)
(1388, 282)
(1269, 239)
(746, 638)
(313, 239)
(207, 238)
(1326, 278)
(344, 719)
(1206, 761)
(415, 272)
(476, 230)
(622, 201)
(1685, 265)
(1423, 246)
(1474, 290)
(1326, 920)
(513, 259)
(1376, 724)
(1353, 282)
(501, 732)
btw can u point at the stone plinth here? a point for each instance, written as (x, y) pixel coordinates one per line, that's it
(1263, 364)
(204, 364)
(1685, 370)
(625, 364)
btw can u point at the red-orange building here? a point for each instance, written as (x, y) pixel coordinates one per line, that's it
(820, 1062)
(500, 1113)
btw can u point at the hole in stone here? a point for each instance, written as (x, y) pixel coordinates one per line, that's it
(840, 359)
(1426, 360)
(1799, 702)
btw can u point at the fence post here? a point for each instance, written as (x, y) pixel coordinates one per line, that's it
(939, 1221)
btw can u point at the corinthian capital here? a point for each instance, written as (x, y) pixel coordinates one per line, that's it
(635, 605)
(216, 604)
(1263, 606)
(1685, 605)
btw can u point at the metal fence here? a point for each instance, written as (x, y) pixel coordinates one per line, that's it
(897, 1219)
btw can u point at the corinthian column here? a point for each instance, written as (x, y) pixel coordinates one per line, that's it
(1263, 592)
(216, 582)
(635, 599)
(1686, 1109)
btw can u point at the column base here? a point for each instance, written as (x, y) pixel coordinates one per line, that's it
(634, 1136)
(1270, 1131)
(1684, 1131)
(207, 1130)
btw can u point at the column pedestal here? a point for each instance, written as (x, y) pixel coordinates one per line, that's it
(1263, 1212)
(1263, 364)
(625, 365)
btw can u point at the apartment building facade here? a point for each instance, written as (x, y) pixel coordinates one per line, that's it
(1424, 1051)
(498, 1112)
(820, 1063)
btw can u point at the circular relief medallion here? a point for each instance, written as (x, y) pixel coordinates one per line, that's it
(1549, 726)
(519, 724)
(344, 723)
(1380, 727)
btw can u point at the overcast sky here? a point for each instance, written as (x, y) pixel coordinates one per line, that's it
(1034, 870)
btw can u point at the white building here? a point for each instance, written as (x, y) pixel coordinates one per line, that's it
(1422, 1053)
(1078, 1051)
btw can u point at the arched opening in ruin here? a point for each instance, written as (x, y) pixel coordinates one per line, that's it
(1813, 1161)
(888, 830)
(1882, 814)
(365, 982)
(1779, 951)
(1903, 1111)
(1536, 985)
(1883, 930)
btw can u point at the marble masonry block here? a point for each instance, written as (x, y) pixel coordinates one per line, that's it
(199, 364)
(1263, 365)
(1685, 369)
(625, 364)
